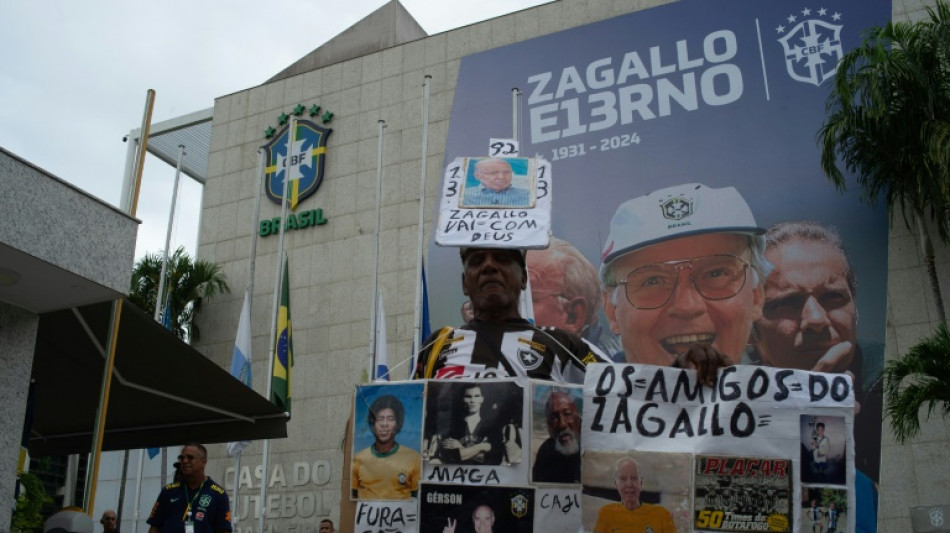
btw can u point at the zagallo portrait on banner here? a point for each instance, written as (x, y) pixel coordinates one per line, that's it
(714, 109)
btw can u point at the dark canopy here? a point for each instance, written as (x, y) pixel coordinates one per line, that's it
(164, 392)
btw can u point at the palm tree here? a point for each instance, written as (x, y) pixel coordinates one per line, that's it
(889, 121)
(187, 283)
(922, 377)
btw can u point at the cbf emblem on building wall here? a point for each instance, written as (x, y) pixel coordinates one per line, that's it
(813, 46)
(310, 143)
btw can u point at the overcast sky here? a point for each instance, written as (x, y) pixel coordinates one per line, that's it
(74, 75)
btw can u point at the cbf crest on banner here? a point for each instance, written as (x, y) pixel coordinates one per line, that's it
(813, 45)
(310, 143)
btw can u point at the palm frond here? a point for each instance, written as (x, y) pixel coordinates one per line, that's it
(888, 118)
(920, 378)
(187, 282)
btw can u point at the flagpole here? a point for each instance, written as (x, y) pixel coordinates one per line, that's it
(254, 232)
(379, 192)
(273, 324)
(525, 303)
(138, 492)
(161, 303)
(92, 472)
(250, 302)
(417, 312)
(159, 295)
(515, 93)
(142, 150)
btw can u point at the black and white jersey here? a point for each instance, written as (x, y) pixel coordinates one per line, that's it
(512, 348)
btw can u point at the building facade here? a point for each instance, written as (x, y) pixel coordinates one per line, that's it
(332, 268)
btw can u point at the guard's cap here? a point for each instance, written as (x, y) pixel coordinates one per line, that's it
(679, 211)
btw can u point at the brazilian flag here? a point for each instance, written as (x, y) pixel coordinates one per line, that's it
(284, 362)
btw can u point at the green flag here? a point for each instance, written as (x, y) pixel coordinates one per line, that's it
(284, 361)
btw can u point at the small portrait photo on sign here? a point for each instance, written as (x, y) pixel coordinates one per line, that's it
(387, 430)
(556, 433)
(824, 510)
(468, 509)
(473, 423)
(498, 182)
(823, 449)
(636, 491)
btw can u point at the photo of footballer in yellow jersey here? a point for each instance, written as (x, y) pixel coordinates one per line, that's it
(386, 469)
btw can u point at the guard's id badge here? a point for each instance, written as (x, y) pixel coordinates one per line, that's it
(189, 526)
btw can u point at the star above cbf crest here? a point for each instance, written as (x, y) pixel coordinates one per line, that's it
(315, 111)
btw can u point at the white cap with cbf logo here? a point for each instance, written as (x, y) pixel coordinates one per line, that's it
(679, 211)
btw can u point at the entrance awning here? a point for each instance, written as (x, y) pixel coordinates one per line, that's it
(164, 392)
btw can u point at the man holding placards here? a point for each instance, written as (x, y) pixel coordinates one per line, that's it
(498, 342)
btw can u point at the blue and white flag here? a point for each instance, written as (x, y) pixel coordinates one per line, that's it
(382, 357)
(166, 314)
(241, 361)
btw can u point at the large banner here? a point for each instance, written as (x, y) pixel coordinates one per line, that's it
(637, 448)
(714, 108)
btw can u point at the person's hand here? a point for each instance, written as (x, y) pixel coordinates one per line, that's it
(837, 359)
(451, 527)
(451, 444)
(705, 360)
(512, 449)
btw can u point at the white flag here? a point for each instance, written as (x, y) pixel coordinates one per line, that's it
(241, 360)
(382, 357)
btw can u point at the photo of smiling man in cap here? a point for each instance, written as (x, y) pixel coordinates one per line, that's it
(683, 266)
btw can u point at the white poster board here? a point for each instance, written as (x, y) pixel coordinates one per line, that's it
(495, 202)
